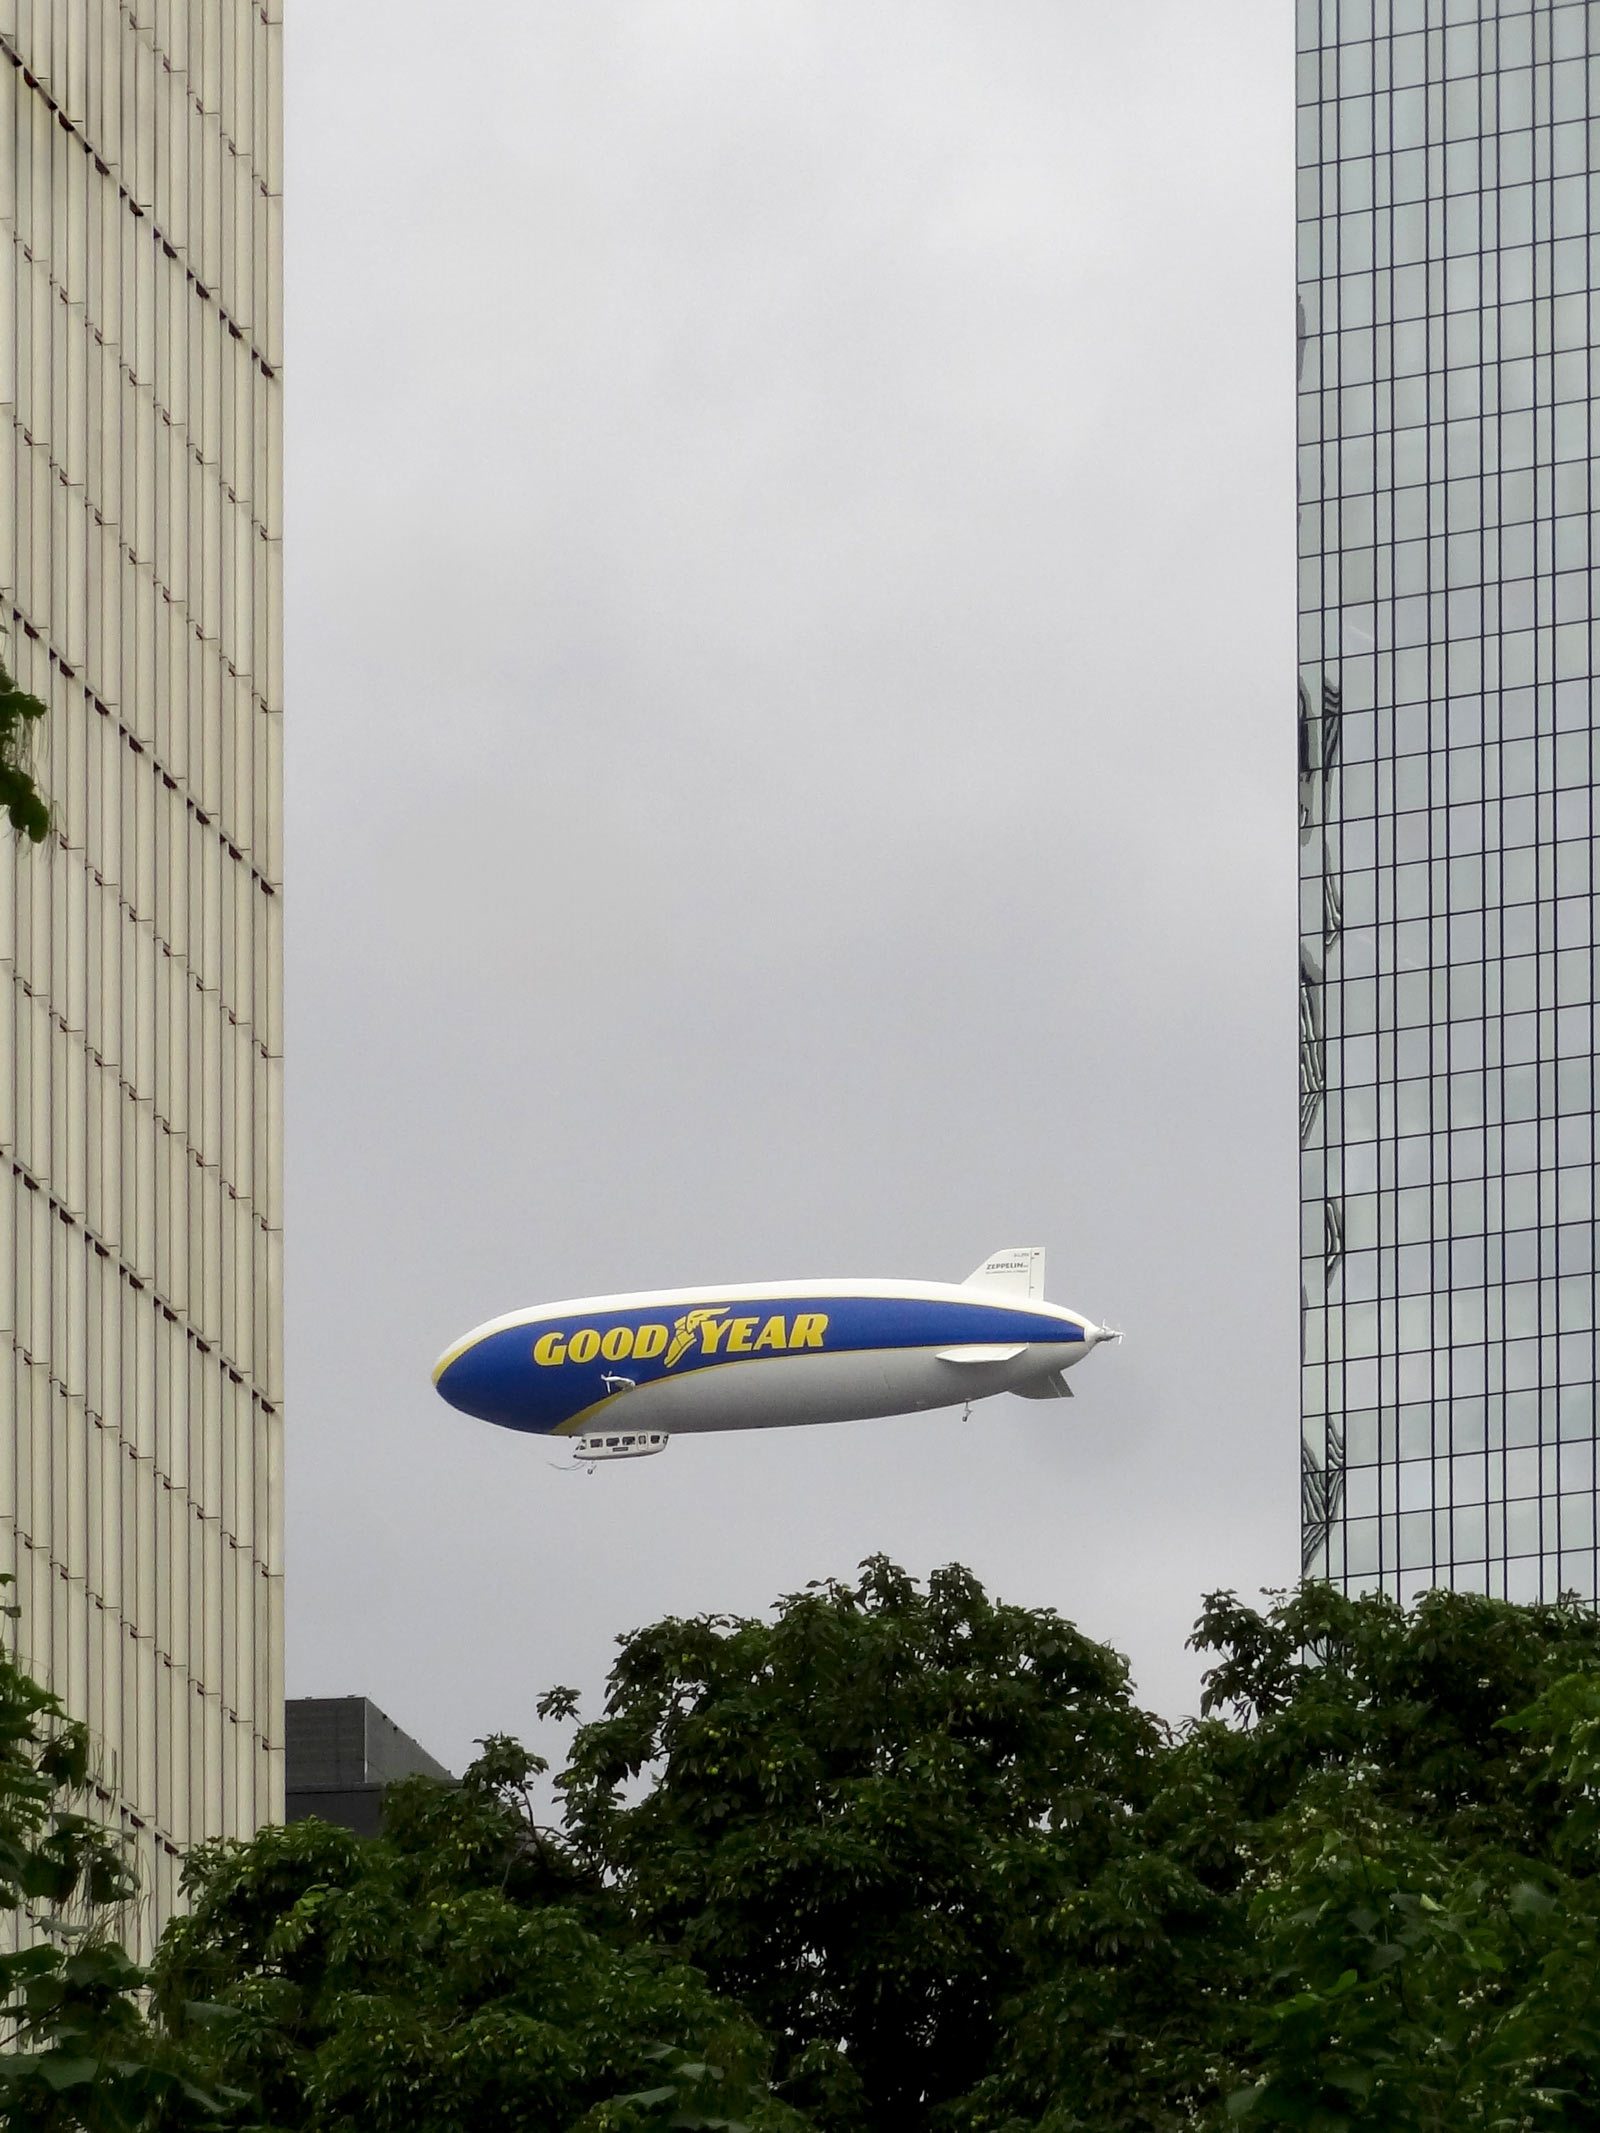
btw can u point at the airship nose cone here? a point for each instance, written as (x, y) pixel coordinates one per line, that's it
(482, 1379)
(448, 1378)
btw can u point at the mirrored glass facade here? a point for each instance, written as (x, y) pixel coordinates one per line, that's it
(1449, 262)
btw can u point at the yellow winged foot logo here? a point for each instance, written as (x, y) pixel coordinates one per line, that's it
(684, 1330)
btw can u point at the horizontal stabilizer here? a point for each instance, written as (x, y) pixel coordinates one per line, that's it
(980, 1352)
(1016, 1271)
(1054, 1387)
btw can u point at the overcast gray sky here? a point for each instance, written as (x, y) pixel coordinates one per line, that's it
(791, 747)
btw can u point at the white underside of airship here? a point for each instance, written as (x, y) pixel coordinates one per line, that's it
(786, 1392)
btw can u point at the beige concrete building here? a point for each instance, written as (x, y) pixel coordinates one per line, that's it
(140, 948)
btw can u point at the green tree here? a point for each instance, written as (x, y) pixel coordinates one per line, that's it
(1404, 1986)
(1356, 1897)
(932, 1846)
(1433, 1960)
(856, 1817)
(447, 1977)
(899, 1856)
(20, 796)
(75, 2049)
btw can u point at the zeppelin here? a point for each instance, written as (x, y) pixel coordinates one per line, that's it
(620, 1375)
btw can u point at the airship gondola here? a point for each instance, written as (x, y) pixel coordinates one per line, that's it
(621, 1375)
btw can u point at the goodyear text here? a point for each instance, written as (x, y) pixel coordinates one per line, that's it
(707, 1331)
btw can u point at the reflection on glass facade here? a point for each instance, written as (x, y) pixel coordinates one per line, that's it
(1449, 173)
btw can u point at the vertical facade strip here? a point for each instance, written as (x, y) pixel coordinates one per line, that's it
(1449, 259)
(141, 947)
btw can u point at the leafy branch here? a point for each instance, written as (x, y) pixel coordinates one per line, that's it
(20, 796)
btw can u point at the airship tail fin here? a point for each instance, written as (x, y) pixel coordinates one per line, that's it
(1016, 1271)
(1054, 1387)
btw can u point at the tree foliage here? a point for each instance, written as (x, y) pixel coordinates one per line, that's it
(935, 1849)
(897, 1856)
(445, 1977)
(75, 2049)
(20, 797)
(858, 1813)
(1346, 1893)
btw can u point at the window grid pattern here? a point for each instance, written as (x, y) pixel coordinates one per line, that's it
(1449, 261)
(140, 947)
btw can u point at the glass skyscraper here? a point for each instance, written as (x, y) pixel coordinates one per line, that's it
(1449, 177)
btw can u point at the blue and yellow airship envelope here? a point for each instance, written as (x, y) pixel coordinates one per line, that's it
(622, 1374)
